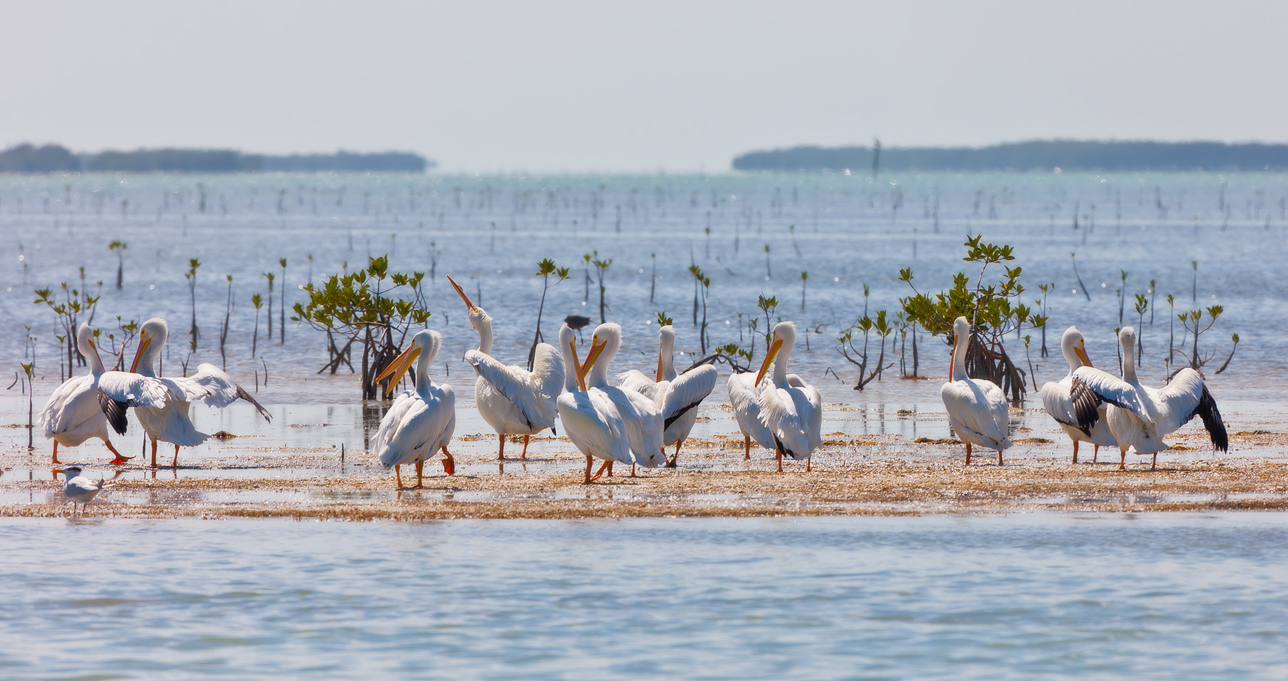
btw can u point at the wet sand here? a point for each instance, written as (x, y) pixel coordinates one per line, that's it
(867, 475)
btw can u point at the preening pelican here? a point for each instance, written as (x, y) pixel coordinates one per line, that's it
(161, 404)
(678, 396)
(589, 417)
(744, 397)
(791, 409)
(643, 418)
(1059, 403)
(420, 421)
(80, 489)
(513, 400)
(72, 415)
(976, 408)
(1140, 416)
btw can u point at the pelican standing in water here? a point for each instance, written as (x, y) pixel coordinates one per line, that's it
(1058, 400)
(1140, 416)
(420, 421)
(977, 408)
(513, 400)
(590, 419)
(72, 415)
(161, 404)
(790, 408)
(643, 418)
(678, 396)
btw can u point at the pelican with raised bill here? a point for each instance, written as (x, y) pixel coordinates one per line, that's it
(161, 403)
(72, 415)
(420, 421)
(1141, 416)
(977, 408)
(589, 417)
(790, 408)
(643, 418)
(1058, 400)
(512, 399)
(678, 396)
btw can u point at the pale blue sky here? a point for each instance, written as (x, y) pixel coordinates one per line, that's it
(634, 86)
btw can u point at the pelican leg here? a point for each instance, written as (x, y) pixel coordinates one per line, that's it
(1154, 466)
(588, 464)
(500, 453)
(56, 453)
(1096, 454)
(449, 464)
(1075, 451)
(606, 466)
(632, 470)
(154, 453)
(524, 455)
(967, 453)
(1122, 464)
(420, 469)
(175, 463)
(999, 457)
(808, 463)
(398, 474)
(610, 469)
(778, 454)
(746, 447)
(120, 458)
(671, 462)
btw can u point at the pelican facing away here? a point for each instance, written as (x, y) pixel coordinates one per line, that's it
(976, 408)
(641, 416)
(1140, 416)
(513, 400)
(420, 421)
(678, 396)
(72, 415)
(589, 417)
(161, 404)
(791, 409)
(1059, 402)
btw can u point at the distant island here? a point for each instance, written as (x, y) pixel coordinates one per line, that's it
(1045, 155)
(52, 158)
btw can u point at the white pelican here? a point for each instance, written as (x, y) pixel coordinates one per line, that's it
(744, 397)
(1059, 402)
(791, 409)
(678, 396)
(590, 419)
(420, 421)
(1140, 416)
(977, 408)
(80, 489)
(72, 415)
(513, 400)
(161, 404)
(643, 419)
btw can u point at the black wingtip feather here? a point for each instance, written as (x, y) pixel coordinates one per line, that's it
(681, 412)
(114, 411)
(1086, 405)
(242, 394)
(1211, 416)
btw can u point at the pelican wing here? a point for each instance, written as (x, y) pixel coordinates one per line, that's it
(793, 416)
(518, 386)
(979, 406)
(120, 390)
(686, 392)
(414, 427)
(643, 425)
(217, 389)
(1114, 390)
(745, 400)
(1183, 399)
(637, 381)
(594, 425)
(1071, 403)
(72, 403)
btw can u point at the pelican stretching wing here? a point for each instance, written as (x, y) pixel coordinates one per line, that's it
(678, 396)
(1081, 416)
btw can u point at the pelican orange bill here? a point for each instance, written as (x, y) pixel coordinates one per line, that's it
(461, 292)
(398, 367)
(143, 345)
(769, 359)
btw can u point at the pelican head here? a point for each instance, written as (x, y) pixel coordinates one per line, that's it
(152, 336)
(961, 341)
(1127, 337)
(424, 345)
(666, 346)
(574, 379)
(606, 340)
(88, 346)
(1074, 348)
(478, 316)
(781, 342)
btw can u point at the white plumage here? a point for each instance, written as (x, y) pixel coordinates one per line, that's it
(678, 396)
(420, 422)
(161, 403)
(1140, 416)
(790, 409)
(589, 417)
(640, 415)
(512, 399)
(80, 489)
(1058, 399)
(977, 408)
(72, 415)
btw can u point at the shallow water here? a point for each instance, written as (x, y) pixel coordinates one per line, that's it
(1037, 596)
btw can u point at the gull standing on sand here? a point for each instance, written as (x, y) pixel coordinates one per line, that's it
(790, 408)
(80, 489)
(678, 396)
(420, 421)
(161, 404)
(1058, 400)
(589, 417)
(977, 408)
(72, 415)
(643, 418)
(1140, 416)
(513, 400)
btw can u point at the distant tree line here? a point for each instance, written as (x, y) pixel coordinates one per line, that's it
(1035, 155)
(52, 158)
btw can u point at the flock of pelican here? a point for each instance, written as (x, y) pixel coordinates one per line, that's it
(629, 423)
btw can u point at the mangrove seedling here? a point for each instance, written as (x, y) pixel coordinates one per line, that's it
(545, 269)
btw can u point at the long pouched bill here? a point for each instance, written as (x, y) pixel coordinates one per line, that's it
(769, 359)
(398, 367)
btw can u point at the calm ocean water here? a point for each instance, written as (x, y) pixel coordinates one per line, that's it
(1047, 596)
